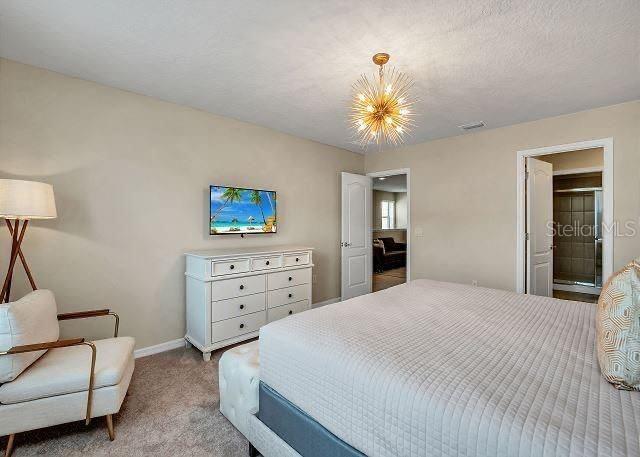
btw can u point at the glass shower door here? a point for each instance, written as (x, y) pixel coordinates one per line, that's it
(578, 241)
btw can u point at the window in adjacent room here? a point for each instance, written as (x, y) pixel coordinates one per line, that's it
(388, 214)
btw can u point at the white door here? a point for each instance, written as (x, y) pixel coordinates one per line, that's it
(539, 227)
(356, 235)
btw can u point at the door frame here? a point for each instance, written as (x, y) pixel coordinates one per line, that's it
(399, 171)
(575, 171)
(607, 197)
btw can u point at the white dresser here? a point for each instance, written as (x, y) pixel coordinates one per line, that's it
(231, 293)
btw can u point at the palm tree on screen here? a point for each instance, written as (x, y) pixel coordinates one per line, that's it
(256, 199)
(268, 194)
(230, 195)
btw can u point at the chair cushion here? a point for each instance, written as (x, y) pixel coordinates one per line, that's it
(395, 255)
(32, 319)
(618, 328)
(66, 370)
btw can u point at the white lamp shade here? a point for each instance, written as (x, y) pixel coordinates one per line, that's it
(26, 200)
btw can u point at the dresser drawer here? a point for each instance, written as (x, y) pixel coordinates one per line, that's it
(237, 287)
(265, 263)
(229, 267)
(289, 278)
(239, 306)
(287, 310)
(237, 326)
(288, 295)
(291, 260)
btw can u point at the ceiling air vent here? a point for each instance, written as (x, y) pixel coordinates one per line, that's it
(472, 126)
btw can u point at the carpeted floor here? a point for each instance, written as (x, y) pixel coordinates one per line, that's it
(171, 410)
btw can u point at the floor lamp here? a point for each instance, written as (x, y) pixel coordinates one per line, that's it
(20, 202)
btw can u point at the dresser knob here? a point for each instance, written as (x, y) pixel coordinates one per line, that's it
(267, 262)
(241, 286)
(241, 306)
(297, 259)
(241, 325)
(290, 295)
(290, 278)
(290, 312)
(231, 267)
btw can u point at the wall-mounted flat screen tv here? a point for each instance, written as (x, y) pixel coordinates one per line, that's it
(236, 210)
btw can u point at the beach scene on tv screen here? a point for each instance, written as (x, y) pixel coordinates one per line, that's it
(237, 210)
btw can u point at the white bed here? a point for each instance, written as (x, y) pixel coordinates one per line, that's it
(440, 369)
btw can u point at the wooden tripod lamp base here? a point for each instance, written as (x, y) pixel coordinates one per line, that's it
(16, 252)
(22, 201)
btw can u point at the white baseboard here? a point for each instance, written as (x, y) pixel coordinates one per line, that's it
(326, 302)
(180, 342)
(158, 348)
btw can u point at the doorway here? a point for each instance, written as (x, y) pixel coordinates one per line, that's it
(375, 246)
(389, 231)
(577, 216)
(565, 205)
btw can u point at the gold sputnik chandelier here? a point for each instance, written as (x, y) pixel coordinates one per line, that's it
(382, 109)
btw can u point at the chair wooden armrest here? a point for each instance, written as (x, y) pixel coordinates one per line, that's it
(93, 313)
(61, 344)
(43, 346)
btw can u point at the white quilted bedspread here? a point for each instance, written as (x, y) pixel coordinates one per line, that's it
(440, 369)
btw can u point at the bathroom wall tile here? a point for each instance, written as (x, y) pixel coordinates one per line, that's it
(589, 203)
(577, 265)
(564, 203)
(577, 203)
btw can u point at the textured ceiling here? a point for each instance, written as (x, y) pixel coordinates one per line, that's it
(289, 65)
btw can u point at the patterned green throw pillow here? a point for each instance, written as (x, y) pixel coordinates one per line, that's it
(618, 328)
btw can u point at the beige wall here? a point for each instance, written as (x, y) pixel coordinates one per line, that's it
(401, 209)
(467, 192)
(400, 200)
(587, 158)
(377, 198)
(399, 235)
(131, 177)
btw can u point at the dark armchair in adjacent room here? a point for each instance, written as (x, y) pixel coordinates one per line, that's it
(388, 254)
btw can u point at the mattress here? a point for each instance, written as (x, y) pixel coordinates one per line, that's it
(439, 369)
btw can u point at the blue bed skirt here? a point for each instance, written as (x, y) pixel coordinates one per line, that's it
(306, 436)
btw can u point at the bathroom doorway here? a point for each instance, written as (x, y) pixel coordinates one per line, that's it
(577, 253)
(565, 203)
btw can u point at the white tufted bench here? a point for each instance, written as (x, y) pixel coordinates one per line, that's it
(239, 372)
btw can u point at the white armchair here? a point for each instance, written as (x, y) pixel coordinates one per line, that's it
(45, 381)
